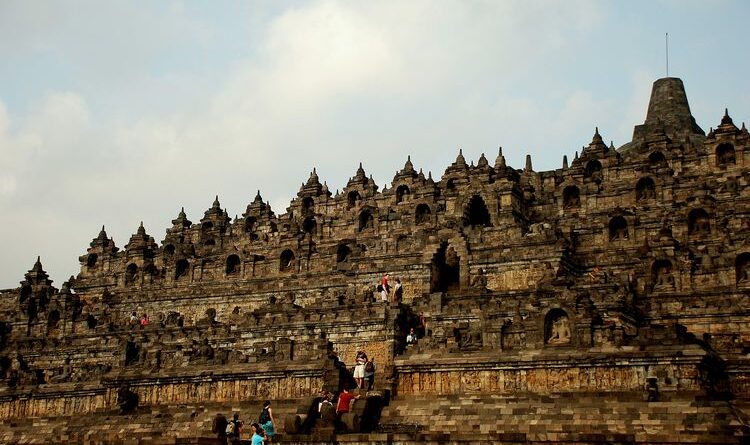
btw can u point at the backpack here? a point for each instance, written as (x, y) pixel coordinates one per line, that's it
(230, 428)
(264, 417)
(369, 367)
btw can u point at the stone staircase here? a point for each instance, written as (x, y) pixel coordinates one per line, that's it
(473, 419)
(567, 418)
(160, 425)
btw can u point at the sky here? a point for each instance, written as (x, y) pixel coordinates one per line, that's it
(117, 112)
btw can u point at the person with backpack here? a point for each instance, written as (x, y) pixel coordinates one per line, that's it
(359, 368)
(266, 421)
(370, 374)
(398, 292)
(234, 429)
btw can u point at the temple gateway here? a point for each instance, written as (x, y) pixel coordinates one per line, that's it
(602, 302)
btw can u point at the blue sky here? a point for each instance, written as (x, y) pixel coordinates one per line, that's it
(121, 111)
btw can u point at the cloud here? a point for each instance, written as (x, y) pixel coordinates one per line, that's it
(150, 108)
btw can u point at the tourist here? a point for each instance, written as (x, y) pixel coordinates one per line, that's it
(144, 320)
(381, 291)
(398, 292)
(236, 429)
(219, 427)
(412, 337)
(594, 274)
(325, 400)
(652, 389)
(359, 369)
(344, 404)
(370, 373)
(386, 284)
(134, 318)
(422, 326)
(266, 421)
(313, 412)
(257, 437)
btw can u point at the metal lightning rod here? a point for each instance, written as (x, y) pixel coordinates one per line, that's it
(666, 41)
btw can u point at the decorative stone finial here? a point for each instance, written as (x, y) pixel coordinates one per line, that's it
(460, 161)
(726, 120)
(482, 162)
(408, 166)
(528, 163)
(565, 162)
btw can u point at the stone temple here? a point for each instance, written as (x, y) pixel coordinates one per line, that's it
(603, 302)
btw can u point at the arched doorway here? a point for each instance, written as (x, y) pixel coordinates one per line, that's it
(446, 269)
(476, 213)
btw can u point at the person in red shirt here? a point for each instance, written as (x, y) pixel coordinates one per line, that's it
(384, 282)
(345, 401)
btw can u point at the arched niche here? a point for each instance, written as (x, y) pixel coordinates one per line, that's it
(557, 328)
(352, 198)
(571, 197)
(250, 224)
(207, 226)
(645, 189)
(742, 269)
(657, 160)
(422, 214)
(286, 260)
(445, 269)
(53, 319)
(699, 223)
(450, 185)
(91, 260)
(343, 252)
(169, 250)
(131, 273)
(182, 267)
(366, 221)
(402, 193)
(309, 225)
(725, 155)
(593, 170)
(618, 229)
(662, 275)
(308, 205)
(233, 265)
(476, 213)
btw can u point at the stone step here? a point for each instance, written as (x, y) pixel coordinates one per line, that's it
(581, 417)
